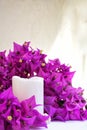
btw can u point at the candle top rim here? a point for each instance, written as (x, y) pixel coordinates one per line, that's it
(33, 78)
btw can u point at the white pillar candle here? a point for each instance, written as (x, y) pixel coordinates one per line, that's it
(24, 88)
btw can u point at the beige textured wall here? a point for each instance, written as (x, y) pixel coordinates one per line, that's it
(37, 21)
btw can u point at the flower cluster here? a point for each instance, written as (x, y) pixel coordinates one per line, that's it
(15, 115)
(61, 100)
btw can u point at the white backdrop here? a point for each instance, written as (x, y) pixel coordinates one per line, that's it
(58, 27)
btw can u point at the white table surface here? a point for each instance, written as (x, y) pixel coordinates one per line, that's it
(69, 125)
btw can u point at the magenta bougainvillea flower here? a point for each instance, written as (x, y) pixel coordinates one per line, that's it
(15, 115)
(62, 101)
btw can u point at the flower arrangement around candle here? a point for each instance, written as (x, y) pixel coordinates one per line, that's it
(61, 100)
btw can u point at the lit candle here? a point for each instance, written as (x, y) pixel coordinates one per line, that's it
(24, 88)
